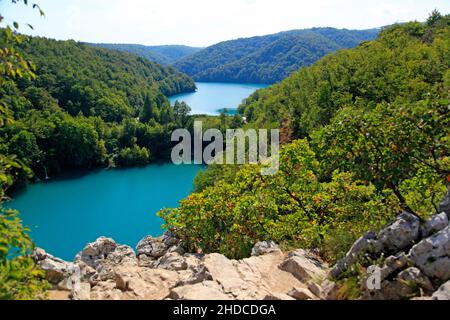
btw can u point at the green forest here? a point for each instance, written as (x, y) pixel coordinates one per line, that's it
(165, 55)
(268, 59)
(89, 107)
(366, 134)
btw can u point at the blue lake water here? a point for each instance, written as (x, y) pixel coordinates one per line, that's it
(65, 214)
(212, 97)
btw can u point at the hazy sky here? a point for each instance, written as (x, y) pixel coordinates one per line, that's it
(205, 22)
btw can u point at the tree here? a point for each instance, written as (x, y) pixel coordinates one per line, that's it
(19, 277)
(181, 110)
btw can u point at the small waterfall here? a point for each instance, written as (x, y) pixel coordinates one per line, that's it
(46, 175)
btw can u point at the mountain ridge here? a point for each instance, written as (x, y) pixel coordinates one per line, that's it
(270, 58)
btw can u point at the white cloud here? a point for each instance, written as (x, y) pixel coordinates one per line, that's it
(204, 22)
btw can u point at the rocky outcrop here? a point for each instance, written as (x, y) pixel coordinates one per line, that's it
(415, 260)
(443, 293)
(161, 270)
(264, 247)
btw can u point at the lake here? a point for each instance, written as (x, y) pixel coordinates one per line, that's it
(212, 97)
(65, 214)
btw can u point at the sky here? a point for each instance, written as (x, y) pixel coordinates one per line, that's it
(205, 22)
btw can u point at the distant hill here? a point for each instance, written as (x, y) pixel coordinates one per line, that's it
(167, 54)
(271, 58)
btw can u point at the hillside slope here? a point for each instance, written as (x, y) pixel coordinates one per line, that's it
(165, 55)
(268, 59)
(89, 107)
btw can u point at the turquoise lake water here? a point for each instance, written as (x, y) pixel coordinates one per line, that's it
(65, 214)
(211, 98)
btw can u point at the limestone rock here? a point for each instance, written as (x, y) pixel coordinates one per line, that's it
(278, 296)
(152, 247)
(172, 261)
(393, 264)
(315, 289)
(144, 283)
(329, 290)
(363, 245)
(443, 293)
(415, 277)
(301, 294)
(264, 247)
(303, 265)
(38, 254)
(435, 224)
(96, 251)
(432, 255)
(121, 255)
(406, 285)
(207, 290)
(81, 292)
(401, 234)
(56, 270)
(145, 261)
(106, 290)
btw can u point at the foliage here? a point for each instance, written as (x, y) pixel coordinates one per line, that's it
(406, 63)
(134, 156)
(19, 277)
(292, 206)
(375, 127)
(398, 147)
(270, 58)
(165, 55)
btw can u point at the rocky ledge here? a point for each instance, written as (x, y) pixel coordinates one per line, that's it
(412, 262)
(159, 269)
(412, 259)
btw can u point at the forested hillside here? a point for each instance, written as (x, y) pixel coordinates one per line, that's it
(366, 135)
(167, 54)
(89, 107)
(270, 58)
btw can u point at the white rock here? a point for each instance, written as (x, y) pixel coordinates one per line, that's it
(401, 234)
(435, 224)
(443, 293)
(265, 247)
(432, 255)
(278, 296)
(207, 290)
(152, 247)
(303, 265)
(96, 251)
(301, 294)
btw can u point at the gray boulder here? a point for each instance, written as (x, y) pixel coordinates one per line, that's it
(96, 251)
(303, 265)
(264, 247)
(172, 261)
(56, 270)
(401, 234)
(443, 293)
(435, 224)
(393, 264)
(432, 255)
(366, 243)
(153, 247)
(301, 294)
